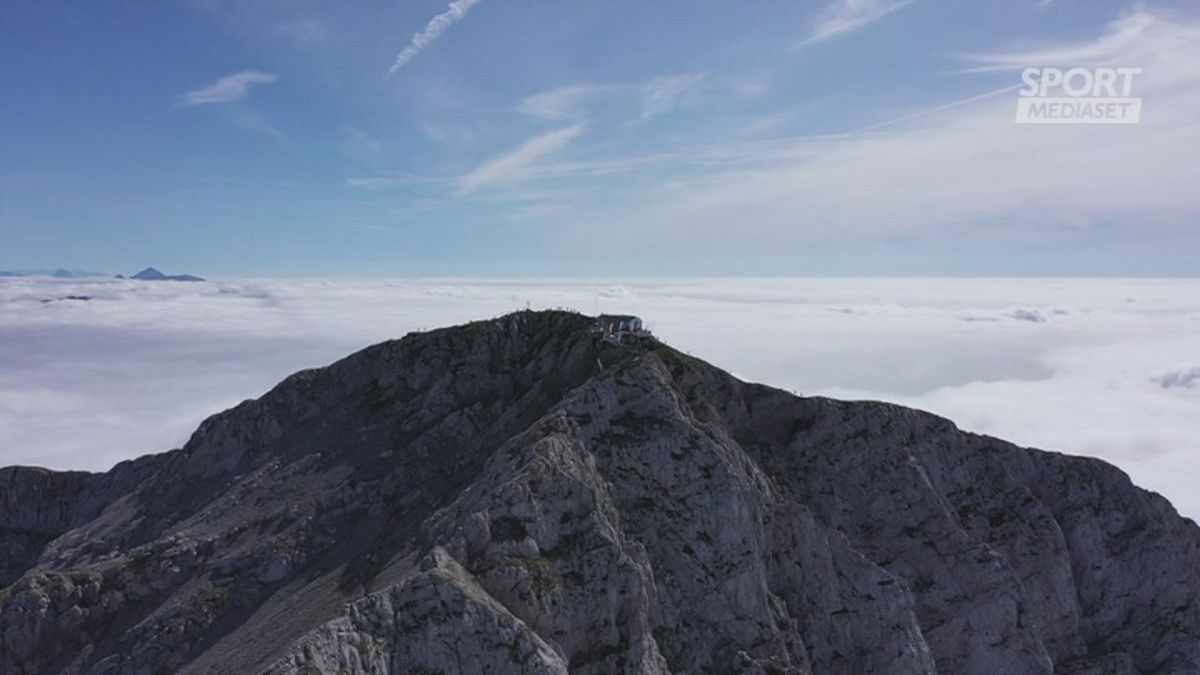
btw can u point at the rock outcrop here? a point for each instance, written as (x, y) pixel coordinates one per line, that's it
(521, 496)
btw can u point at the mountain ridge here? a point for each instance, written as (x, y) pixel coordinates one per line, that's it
(587, 507)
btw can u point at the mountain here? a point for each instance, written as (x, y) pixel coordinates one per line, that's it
(532, 495)
(151, 274)
(59, 273)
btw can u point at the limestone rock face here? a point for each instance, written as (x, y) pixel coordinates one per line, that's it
(522, 496)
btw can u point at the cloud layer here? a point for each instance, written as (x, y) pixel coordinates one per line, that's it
(1097, 367)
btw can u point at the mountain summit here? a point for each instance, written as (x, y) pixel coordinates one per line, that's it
(151, 274)
(551, 493)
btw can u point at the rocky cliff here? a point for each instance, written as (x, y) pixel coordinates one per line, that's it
(521, 496)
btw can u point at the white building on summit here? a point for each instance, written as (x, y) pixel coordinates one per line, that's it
(615, 327)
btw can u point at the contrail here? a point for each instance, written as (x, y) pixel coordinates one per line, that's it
(436, 26)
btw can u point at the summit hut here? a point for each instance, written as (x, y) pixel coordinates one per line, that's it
(616, 327)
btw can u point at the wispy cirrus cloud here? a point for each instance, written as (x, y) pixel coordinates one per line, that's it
(651, 98)
(567, 102)
(579, 105)
(392, 180)
(846, 16)
(1127, 41)
(982, 168)
(361, 145)
(228, 88)
(662, 94)
(509, 166)
(436, 26)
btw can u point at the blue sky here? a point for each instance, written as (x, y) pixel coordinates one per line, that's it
(531, 138)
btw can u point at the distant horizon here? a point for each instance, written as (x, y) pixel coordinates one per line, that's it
(101, 275)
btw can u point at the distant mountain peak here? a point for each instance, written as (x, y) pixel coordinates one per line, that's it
(149, 273)
(152, 274)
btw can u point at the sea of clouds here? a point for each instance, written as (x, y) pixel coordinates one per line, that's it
(96, 371)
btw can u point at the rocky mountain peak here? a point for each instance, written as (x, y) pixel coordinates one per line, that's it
(549, 492)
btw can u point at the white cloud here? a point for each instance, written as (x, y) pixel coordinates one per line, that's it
(845, 16)
(654, 97)
(508, 167)
(436, 26)
(228, 88)
(387, 181)
(361, 145)
(1090, 379)
(1127, 41)
(662, 94)
(565, 103)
